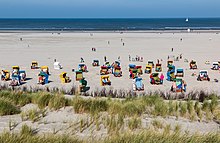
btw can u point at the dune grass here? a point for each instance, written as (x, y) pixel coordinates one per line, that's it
(150, 136)
(122, 118)
(155, 137)
(7, 107)
(153, 105)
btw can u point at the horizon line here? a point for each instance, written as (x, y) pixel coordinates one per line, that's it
(112, 18)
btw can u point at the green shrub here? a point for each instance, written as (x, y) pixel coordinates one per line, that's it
(115, 107)
(183, 108)
(134, 123)
(206, 106)
(161, 109)
(214, 103)
(8, 108)
(43, 100)
(92, 106)
(57, 102)
(190, 107)
(18, 98)
(132, 108)
(26, 130)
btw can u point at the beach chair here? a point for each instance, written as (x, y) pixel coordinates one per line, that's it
(151, 63)
(43, 78)
(64, 78)
(79, 75)
(82, 67)
(178, 86)
(57, 66)
(133, 73)
(171, 73)
(169, 63)
(15, 80)
(23, 75)
(45, 69)
(154, 79)
(117, 63)
(139, 70)
(34, 65)
(203, 75)
(83, 85)
(193, 65)
(179, 72)
(158, 68)
(215, 66)
(105, 80)
(117, 72)
(108, 65)
(148, 69)
(138, 84)
(15, 70)
(104, 70)
(132, 67)
(95, 63)
(5, 75)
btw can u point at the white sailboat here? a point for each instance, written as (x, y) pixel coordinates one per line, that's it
(187, 19)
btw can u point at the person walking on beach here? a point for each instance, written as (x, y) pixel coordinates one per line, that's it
(82, 60)
(172, 50)
(118, 58)
(123, 44)
(108, 42)
(158, 61)
(105, 59)
(129, 57)
(161, 78)
(142, 59)
(184, 85)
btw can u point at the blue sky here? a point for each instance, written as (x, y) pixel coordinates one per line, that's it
(108, 8)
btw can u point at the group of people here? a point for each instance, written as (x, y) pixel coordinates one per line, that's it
(136, 58)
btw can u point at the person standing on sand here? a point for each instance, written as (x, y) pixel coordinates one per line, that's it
(184, 85)
(105, 59)
(108, 42)
(180, 56)
(123, 44)
(172, 50)
(161, 78)
(129, 57)
(82, 60)
(118, 58)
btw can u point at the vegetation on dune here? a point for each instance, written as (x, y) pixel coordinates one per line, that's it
(150, 136)
(7, 107)
(113, 115)
(155, 137)
(153, 105)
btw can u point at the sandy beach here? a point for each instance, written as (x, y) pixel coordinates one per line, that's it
(68, 48)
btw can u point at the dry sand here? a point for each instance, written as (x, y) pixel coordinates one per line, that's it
(67, 48)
